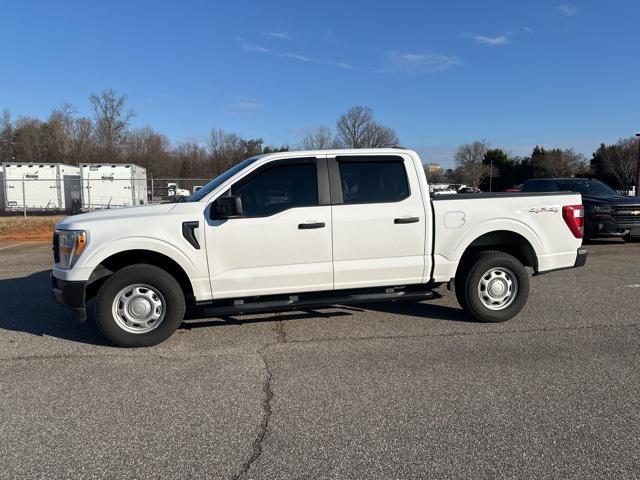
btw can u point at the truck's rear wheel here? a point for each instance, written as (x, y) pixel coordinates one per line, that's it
(493, 287)
(139, 306)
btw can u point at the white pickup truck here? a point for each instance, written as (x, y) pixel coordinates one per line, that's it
(293, 230)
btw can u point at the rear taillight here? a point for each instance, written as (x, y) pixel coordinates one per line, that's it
(574, 218)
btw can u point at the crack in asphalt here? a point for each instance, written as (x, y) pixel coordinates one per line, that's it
(281, 337)
(264, 422)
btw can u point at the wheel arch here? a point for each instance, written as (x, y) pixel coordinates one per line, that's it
(506, 241)
(121, 259)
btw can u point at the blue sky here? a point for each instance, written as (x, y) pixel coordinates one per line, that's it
(516, 73)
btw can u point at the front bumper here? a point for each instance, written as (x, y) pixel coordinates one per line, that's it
(607, 226)
(70, 294)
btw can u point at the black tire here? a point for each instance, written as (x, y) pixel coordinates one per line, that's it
(458, 286)
(158, 279)
(469, 281)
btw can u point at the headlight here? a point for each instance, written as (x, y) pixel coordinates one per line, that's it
(71, 243)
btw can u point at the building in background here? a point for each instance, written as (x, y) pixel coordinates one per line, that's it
(106, 185)
(46, 187)
(433, 168)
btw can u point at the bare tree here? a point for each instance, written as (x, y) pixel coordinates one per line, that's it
(357, 129)
(227, 149)
(381, 136)
(112, 120)
(620, 159)
(469, 162)
(319, 139)
(58, 129)
(30, 140)
(189, 160)
(149, 149)
(559, 163)
(83, 141)
(7, 136)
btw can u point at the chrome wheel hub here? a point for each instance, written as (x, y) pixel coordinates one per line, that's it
(498, 288)
(139, 308)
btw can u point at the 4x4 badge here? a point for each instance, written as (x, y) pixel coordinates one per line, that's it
(543, 210)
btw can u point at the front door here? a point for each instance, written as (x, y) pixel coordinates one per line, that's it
(282, 243)
(379, 223)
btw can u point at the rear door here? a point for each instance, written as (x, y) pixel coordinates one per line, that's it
(282, 244)
(378, 221)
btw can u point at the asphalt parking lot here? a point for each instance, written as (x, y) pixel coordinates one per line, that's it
(410, 390)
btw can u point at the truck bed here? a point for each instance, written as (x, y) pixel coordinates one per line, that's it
(534, 218)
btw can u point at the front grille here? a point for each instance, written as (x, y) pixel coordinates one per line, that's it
(626, 214)
(56, 250)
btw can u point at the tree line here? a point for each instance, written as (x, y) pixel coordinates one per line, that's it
(107, 137)
(479, 165)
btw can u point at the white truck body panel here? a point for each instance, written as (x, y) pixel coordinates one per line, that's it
(44, 186)
(106, 185)
(360, 245)
(461, 220)
(298, 260)
(369, 250)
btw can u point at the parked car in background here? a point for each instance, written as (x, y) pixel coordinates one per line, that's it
(514, 189)
(607, 213)
(469, 190)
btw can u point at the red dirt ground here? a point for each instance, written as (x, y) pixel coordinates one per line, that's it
(30, 228)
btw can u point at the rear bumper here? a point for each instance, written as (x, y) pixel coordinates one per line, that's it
(580, 261)
(70, 294)
(581, 258)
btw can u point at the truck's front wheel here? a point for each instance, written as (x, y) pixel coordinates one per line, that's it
(139, 306)
(494, 287)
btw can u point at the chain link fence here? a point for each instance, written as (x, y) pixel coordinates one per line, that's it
(72, 194)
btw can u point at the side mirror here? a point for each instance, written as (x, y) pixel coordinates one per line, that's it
(226, 207)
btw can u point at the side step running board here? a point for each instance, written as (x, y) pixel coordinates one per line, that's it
(293, 302)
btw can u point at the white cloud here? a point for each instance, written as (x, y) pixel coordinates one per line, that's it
(292, 55)
(279, 35)
(498, 40)
(246, 105)
(419, 63)
(493, 41)
(568, 10)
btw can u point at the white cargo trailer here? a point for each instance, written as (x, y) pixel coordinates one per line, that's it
(108, 185)
(40, 187)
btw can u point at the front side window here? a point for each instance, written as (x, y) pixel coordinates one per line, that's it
(278, 188)
(373, 181)
(220, 179)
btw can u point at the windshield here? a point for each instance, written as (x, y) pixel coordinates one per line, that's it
(587, 187)
(220, 179)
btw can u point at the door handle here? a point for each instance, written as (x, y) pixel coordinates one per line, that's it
(406, 220)
(310, 225)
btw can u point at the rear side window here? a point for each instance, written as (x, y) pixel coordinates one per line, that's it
(373, 181)
(541, 186)
(278, 188)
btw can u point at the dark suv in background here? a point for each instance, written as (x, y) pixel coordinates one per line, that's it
(607, 213)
